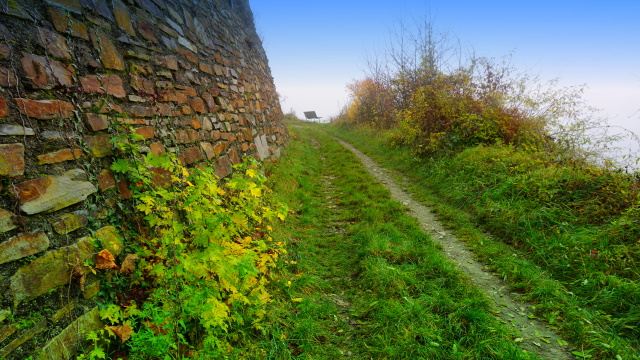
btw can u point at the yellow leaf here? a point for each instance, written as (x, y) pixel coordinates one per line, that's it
(296, 299)
(256, 192)
(251, 173)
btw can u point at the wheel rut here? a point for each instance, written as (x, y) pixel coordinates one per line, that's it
(536, 336)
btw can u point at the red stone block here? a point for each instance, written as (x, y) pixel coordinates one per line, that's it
(123, 188)
(45, 109)
(111, 84)
(53, 43)
(97, 122)
(46, 72)
(233, 155)
(141, 84)
(206, 68)
(60, 156)
(194, 135)
(147, 31)
(106, 180)
(4, 110)
(192, 155)
(157, 149)
(146, 132)
(220, 147)
(163, 110)
(160, 177)
(197, 104)
(12, 159)
(190, 91)
(30, 190)
(189, 55)
(223, 166)
(182, 137)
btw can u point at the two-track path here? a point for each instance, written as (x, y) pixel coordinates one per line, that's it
(536, 336)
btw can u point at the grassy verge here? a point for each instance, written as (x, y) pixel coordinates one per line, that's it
(573, 257)
(362, 280)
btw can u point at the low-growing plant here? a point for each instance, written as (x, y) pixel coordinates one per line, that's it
(204, 257)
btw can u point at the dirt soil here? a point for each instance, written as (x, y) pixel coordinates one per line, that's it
(535, 335)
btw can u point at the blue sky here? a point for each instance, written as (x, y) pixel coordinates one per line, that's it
(315, 48)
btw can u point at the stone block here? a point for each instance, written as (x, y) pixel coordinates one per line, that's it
(123, 19)
(157, 149)
(97, 122)
(207, 148)
(6, 221)
(99, 145)
(60, 156)
(15, 8)
(65, 24)
(197, 104)
(70, 5)
(53, 43)
(110, 56)
(220, 147)
(223, 166)
(233, 156)
(111, 84)
(106, 180)
(72, 339)
(24, 337)
(15, 130)
(46, 73)
(192, 155)
(262, 146)
(12, 159)
(52, 269)
(147, 30)
(149, 6)
(206, 68)
(186, 110)
(142, 85)
(23, 245)
(141, 111)
(7, 78)
(4, 110)
(45, 109)
(51, 193)
(146, 132)
(67, 223)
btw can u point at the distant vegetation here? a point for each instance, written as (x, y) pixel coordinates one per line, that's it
(522, 160)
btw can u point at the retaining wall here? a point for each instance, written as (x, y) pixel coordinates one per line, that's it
(190, 76)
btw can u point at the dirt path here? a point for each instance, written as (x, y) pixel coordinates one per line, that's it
(535, 335)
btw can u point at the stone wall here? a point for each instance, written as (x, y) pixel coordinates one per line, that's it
(189, 75)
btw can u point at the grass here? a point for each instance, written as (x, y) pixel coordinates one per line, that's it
(562, 234)
(361, 279)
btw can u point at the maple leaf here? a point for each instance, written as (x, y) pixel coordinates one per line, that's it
(122, 331)
(128, 264)
(105, 260)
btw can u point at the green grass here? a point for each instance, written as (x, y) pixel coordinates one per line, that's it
(562, 234)
(361, 279)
